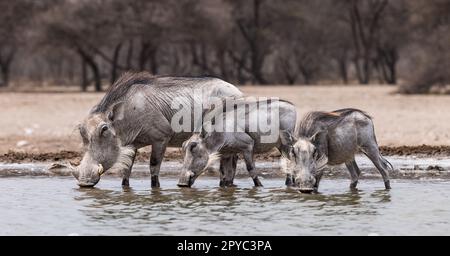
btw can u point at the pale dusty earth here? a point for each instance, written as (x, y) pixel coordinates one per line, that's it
(45, 121)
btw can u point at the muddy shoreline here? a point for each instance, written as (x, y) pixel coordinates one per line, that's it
(75, 156)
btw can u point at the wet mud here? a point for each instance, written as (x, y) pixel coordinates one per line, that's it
(74, 157)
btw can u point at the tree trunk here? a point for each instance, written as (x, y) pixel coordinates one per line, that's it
(5, 75)
(90, 61)
(367, 68)
(129, 55)
(307, 76)
(5, 67)
(257, 55)
(286, 69)
(393, 74)
(379, 70)
(114, 63)
(97, 77)
(252, 35)
(143, 56)
(343, 70)
(84, 78)
(221, 57)
(388, 59)
(363, 35)
(240, 69)
(153, 61)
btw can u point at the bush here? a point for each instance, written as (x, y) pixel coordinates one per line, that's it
(432, 78)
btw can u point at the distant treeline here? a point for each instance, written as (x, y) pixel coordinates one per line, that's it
(91, 42)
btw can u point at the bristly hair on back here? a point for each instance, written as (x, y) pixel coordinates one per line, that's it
(319, 120)
(121, 87)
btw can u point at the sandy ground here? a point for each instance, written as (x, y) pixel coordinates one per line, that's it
(45, 122)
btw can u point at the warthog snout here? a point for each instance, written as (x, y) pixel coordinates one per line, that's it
(187, 178)
(307, 190)
(87, 178)
(83, 184)
(306, 185)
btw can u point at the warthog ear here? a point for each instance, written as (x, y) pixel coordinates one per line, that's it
(318, 135)
(83, 133)
(320, 141)
(117, 111)
(212, 158)
(203, 133)
(287, 138)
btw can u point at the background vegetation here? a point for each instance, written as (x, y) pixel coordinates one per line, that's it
(90, 42)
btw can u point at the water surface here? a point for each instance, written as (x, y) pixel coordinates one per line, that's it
(56, 206)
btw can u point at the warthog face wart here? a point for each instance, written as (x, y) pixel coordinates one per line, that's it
(101, 144)
(305, 170)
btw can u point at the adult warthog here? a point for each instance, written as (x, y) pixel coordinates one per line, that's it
(243, 131)
(137, 111)
(334, 138)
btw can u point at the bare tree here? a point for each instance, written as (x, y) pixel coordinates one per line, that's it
(430, 41)
(365, 19)
(242, 41)
(253, 20)
(14, 18)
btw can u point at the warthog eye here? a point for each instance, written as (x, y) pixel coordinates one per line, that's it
(192, 146)
(104, 129)
(293, 152)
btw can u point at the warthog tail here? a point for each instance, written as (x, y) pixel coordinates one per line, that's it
(386, 162)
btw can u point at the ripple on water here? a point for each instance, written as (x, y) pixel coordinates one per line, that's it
(54, 205)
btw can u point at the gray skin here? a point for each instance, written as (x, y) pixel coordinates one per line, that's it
(202, 149)
(136, 112)
(332, 138)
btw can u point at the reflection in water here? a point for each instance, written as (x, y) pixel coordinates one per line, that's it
(61, 208)
(180, 207)
(383, 196)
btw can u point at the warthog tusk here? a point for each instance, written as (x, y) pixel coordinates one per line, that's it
(100, 169)
(71, 167)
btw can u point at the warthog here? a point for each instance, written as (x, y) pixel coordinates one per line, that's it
(202, 149)
(135, 112)
(334, 138)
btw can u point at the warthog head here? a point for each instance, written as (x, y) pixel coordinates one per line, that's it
(196, 160)
(304, 164)
(102, 146)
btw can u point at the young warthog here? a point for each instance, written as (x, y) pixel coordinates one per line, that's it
(334, 138)
(137, 111)
(242, 134)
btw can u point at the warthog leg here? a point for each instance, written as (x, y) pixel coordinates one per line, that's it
(250, 163)
(373, 153)
(126, 172)
(227, 170)
(354, 173)
(284, 150)
(158, 150)
(289, 180)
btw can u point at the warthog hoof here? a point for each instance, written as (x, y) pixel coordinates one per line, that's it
(257, 182)
(226, 183)
(290, 182)
(387, 184)
(155, 182)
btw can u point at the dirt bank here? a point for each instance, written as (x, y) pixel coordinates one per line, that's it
(41, 125)
(174, 154)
